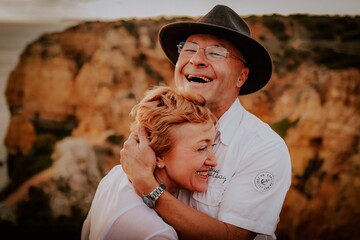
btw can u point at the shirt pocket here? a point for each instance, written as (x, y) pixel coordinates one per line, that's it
(209, 201)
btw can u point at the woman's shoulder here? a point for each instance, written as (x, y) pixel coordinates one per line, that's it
(140, 222)
(115, 173)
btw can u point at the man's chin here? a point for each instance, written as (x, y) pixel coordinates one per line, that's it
(197, 91)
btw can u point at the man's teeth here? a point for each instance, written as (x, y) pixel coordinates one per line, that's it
(202, 173)
(198, 79)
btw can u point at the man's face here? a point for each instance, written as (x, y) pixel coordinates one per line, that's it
(218, 80)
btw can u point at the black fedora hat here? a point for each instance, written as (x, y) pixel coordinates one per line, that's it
(223, 22)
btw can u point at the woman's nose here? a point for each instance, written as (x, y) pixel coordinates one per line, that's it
(211, 160)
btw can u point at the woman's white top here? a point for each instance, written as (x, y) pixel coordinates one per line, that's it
(117, 212)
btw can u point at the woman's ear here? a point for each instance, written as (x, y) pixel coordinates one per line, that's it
(160, 163)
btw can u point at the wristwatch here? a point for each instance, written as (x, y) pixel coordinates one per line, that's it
(151, 198)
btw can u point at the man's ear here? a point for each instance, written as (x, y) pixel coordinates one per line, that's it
(242, 77)
(160, 162)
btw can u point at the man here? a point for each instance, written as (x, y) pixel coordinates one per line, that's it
(217, 58)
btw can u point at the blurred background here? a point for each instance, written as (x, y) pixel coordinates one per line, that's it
(71, 71)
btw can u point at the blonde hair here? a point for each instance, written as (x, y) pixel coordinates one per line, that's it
(164, 108)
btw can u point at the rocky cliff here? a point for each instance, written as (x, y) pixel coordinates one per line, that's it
(71, 92)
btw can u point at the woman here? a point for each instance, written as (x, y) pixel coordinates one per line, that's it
(181, 131)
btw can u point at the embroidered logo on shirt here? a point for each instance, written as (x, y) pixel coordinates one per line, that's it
(215, 174)
(263, 181)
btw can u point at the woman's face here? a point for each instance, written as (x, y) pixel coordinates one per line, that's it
(187, 164)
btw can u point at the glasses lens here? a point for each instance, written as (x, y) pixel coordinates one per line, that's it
(211, 52)
(190, 48)
(180, 46)
(215, 52)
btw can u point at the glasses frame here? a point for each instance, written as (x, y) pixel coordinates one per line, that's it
(180, 47)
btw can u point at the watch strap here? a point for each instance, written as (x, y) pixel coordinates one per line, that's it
(156, 193)
(150, 198)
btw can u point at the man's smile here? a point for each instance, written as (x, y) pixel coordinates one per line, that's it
(198, 79)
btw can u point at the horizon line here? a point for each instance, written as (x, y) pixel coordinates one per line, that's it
(64, 20)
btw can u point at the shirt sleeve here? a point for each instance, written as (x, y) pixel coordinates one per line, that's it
(141, 222)
(85, 231)
(254, 197)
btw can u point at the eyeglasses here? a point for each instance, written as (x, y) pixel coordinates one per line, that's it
(213, 53)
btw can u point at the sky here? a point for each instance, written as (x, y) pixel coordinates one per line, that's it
(53, 10)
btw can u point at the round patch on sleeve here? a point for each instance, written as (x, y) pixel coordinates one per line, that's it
(263, 181)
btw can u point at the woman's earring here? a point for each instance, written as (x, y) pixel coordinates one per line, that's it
(160, 162)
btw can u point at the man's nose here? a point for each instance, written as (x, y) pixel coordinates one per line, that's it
(199, 58)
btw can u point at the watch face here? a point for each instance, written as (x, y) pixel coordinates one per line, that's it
(148, 202)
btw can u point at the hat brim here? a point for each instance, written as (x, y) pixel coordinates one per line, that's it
(256, 56)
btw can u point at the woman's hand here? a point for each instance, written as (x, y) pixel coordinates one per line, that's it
(138, 161)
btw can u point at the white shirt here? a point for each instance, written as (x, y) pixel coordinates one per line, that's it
(248, 186)
(117, 212)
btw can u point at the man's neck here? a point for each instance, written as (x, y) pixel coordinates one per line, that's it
(219, 109)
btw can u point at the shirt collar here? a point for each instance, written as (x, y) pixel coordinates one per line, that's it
(230, 121)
